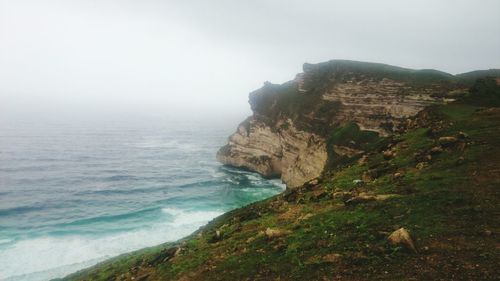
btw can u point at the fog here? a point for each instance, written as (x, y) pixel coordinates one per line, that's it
(176, 60)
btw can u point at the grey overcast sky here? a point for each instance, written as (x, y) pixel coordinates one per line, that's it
(64, 59)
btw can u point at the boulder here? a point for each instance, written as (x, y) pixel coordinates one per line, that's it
(401, 237)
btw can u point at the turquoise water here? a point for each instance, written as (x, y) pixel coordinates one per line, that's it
(71, 196)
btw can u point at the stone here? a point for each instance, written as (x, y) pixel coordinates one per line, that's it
(365, 197)
(367, 176)
(361, 198)
(216, 237)
(402, 238)
(436, 150)
(341, 195)
(447, 141)
(382, 197)
(318, 195)
(332, 258)
(313, 182)
(305, 217)
(178, 252)
(274, 232)
(164, 255)
(363, 160)
(143, 277)
(389, 154)
(397, 175)
(358, 182)
(421, 165)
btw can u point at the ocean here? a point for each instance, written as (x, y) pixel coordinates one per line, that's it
(74, 195)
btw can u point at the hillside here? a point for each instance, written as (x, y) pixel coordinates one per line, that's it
(434, 172)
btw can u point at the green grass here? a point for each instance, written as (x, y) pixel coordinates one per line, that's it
(442, 205)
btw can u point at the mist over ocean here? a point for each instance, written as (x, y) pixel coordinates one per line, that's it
(74, 195)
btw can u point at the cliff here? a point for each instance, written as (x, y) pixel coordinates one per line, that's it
(291, 130)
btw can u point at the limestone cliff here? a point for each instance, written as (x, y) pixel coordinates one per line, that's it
(290, 132)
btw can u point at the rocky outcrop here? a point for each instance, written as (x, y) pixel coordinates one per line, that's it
(297, 156)
(289, 133)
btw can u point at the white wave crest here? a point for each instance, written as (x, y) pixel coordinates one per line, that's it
(45, 258)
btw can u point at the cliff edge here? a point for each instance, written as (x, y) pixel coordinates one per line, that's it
(290, 134)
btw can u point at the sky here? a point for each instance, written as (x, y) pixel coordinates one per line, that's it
(65, 60)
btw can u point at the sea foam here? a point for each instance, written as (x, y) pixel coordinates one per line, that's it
(44, 258)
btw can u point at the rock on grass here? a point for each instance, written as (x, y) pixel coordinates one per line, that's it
(401, 237)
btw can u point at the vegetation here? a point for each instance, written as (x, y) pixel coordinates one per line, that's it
(351, 136)
(439, 179)
(444, 193)
(485, 92)
(379, 71)
(470, 78)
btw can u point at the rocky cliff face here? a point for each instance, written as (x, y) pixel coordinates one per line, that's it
(295, 155)
(290, 132)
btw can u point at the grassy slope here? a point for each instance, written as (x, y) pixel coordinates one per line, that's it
(450, 208)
